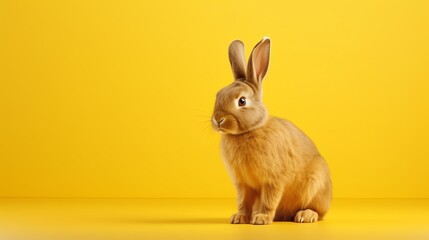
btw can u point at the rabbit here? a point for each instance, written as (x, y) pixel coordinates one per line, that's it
(277, 170)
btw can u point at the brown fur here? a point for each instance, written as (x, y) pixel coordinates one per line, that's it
(277, 170)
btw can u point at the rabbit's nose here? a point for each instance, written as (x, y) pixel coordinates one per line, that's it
(217, 122)
(220, 121)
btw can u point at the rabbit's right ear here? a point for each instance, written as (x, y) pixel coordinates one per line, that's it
(258, 62)
(237, 59)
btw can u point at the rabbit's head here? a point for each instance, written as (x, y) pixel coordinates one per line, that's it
(239, 108)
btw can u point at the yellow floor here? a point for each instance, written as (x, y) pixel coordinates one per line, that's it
(203, 219)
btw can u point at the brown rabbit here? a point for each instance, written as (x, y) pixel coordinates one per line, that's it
(277, 170)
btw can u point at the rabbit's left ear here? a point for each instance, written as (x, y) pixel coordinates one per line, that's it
(258, 62)
(237, 59)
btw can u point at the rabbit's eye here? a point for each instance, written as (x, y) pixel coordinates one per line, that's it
(242, 102)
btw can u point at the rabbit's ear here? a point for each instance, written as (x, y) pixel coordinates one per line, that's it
(237, 59)
(259, 61)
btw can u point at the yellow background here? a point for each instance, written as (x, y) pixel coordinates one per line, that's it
(113, 98)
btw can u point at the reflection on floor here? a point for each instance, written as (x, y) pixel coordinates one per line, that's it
(29, 218)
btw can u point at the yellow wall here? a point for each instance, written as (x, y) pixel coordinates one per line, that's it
(113, 98)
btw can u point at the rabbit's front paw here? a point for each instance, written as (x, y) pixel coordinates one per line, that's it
(261, 219)
(239, 218)
(306, 216)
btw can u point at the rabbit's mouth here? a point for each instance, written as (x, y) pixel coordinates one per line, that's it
(221, 131)
(224, 130)
(218, 128)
